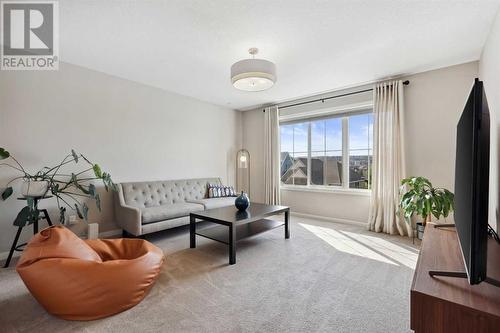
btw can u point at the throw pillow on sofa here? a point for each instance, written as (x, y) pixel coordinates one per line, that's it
(220, 191)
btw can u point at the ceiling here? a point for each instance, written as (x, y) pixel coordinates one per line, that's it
(188, 46)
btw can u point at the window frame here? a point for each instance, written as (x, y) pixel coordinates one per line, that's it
(344, 115)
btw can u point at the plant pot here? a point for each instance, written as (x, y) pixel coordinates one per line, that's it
(420, 230)
(34, 188)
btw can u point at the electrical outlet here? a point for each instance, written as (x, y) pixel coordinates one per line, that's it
(73, 219)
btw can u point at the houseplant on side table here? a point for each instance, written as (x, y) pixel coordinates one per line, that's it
(69, 189)
(418, 197)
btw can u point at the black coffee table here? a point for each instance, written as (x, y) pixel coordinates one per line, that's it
(235, 225)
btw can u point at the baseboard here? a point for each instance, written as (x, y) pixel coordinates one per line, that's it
(329, 219)
(110, 233)
(4, 255)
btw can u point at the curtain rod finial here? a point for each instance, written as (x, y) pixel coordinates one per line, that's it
(407, 82)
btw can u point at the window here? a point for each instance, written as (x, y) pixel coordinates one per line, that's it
(326, 152)
(360, 150)
(294, 142)
(331, 152)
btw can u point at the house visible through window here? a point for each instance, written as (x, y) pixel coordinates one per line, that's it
(315, 152)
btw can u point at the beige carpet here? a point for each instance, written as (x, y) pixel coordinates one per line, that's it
(327, 278)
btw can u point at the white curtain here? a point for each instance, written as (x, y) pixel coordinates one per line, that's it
(388, 159)
(272, 156)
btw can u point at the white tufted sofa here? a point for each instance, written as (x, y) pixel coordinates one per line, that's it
(145, 207)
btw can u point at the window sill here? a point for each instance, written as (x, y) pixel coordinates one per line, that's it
(321, 189)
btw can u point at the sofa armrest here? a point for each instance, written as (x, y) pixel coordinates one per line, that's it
(127, 217)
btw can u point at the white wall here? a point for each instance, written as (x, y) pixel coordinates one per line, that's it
(134, 131)
(489, 72)
(434, 101)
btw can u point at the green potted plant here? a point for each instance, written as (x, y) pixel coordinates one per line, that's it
(69, 189)
(420, 198)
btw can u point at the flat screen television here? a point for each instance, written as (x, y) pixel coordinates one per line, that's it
(472, 183)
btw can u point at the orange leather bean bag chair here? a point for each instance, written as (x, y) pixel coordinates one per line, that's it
(84, 280)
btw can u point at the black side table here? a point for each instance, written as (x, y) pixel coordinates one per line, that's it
(43, 216)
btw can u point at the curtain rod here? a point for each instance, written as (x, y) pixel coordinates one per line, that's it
(322, 100)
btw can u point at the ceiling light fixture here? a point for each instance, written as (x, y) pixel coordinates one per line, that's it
(253, 74)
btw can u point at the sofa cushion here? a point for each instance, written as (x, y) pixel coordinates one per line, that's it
(215, 202)
(170, 211)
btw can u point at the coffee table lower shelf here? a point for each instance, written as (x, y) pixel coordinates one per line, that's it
(220, 233)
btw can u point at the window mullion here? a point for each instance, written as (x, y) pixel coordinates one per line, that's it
(345, 152)
(309, 154)
(293, 151)
(325, 158)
